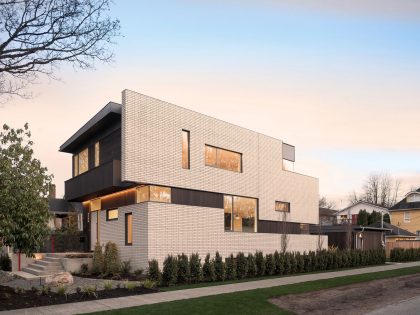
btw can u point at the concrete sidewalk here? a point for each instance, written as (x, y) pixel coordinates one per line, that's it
(122, 302)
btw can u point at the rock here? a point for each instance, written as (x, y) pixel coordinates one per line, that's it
(59, 279)
(5, 276)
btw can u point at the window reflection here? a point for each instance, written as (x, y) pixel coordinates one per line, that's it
(240, 214)
(83, 161)
(128, 229)
(160, 194)
(75, 165)
(282, 206)
(96, 154)
(143, 194)
(228, 212)
(225, 159)
(185, 149)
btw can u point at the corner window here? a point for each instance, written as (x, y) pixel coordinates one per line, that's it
(153, 193)
(240, 214)
(224, 159)
(407, 216)
(128, 229)
(282, 206)
(143, 194)
(185, 149)
(96, 154)
(112, 214)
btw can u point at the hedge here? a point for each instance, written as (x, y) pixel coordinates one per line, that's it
(401, 254)
(179, 269)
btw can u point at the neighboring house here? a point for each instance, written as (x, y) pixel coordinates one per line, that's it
(159, 179)
(350, 213)
(327, 216)
(406, 213)
(395, 233)
(358, 237)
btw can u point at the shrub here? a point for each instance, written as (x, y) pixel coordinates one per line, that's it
(252, 268)
(84, 269)
(149, 284)
(270, 264)
(308, 262)
(287, 264)
(241, 266)
(107, 285)
(278, 270)
(300, 262)
(62, 290)
(126, 268)
(219, 267)
(260, 263)
(183, 269)
(98, 260)
(209, 273)
(90, 291)
(196, 273)
(138, 272)
(130, 285)
(230, 267)
(153, 272)
(293, 263)
(402, 255)
(5, 262)
(170, 271)
(19, 290)
(112, 260)
(78, 290)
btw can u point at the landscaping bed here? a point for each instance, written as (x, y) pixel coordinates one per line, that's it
(11, 299)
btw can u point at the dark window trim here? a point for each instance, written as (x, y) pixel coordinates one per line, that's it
(126, 229)
(215, 166)
(288, 203)
(189, 150)
(107, 214)
(232, 217)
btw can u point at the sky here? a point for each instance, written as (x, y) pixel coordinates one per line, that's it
(338, 81)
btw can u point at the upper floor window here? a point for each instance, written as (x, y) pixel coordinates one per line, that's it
(224, 159)
(96, 154)
(75, 165)
(407, 216)
(81, 162)
(282, 206)
(154, 193)
(240, 214)
(185, 149)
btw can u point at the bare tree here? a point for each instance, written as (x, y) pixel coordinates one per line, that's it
(325, 203)
(380, 189)
(284, 234)
(36, 36)
(320, 242)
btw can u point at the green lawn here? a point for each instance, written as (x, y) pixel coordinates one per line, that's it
(254, 301)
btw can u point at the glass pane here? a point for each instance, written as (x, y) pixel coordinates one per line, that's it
(142, 194)
(185, 149)
(228, 212)
(210, 156)
(282, 206)
(83, 161)
(244, 210)
(129, 226)
(96, 154)
(160, 194)
(75, 165)
(95, 204)
(112, 214)
(229, 160)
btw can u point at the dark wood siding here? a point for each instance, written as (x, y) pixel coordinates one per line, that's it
(196, 198)
(265, 226)
(110, 147)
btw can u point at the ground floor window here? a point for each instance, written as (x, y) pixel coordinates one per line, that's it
(240, 214)
(128, 229)
(111, 214)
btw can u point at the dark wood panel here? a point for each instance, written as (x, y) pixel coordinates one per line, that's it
(120, 199)
(196, 198)
(339, 239)
(110, 147)
(266, 226)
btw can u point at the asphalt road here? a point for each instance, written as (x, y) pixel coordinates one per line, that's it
(407, 307)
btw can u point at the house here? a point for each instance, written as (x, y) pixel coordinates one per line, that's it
(406, 213)
(159, 179)
(394, 233)
(327, 216)
(350, 213)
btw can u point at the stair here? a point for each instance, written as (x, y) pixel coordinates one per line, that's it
(49, 265)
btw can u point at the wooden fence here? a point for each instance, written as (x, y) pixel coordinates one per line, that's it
(401, 244)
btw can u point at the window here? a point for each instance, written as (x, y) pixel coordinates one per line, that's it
(128, 229)
(185, 149)
(407, 217)
(96, 154)
(75, 165)
(240, 214)
(224, 159)
(111, 214)
(95, 204)
(282, 206)
(83, 161)
(418, 233)
(154, 193)
(414, 197)
(80, 221)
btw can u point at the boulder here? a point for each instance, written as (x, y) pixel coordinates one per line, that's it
(61, 278)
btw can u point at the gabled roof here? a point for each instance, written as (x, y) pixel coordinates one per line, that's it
(395, 230)
(404, 205)
(360, 202)
(108, 113)
(327, 212)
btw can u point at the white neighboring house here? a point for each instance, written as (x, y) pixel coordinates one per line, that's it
(351, 212)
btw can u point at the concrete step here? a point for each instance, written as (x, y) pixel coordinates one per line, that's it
(47, 263)
(52, 259)
(37, 267)
(34, 271)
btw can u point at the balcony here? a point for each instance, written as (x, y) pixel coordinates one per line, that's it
(105, 178)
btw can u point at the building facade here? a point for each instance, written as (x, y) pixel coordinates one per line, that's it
(159, 179)
(350, 213)
(406, 213)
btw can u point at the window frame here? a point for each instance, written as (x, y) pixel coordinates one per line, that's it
(232, 227)
(97, 149)
(215, 165)
(129, 214)
(107, 214)
(282, 202)
(87, 160)
(407, 216)
(188, 157)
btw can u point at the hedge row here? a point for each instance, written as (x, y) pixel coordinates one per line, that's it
(183, 269)
(401, 254)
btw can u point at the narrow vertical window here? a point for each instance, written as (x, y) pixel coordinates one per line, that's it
(96, 154)
(83, 161)
(75, 165)
(128, 229)
(228, 212)
(185, 149)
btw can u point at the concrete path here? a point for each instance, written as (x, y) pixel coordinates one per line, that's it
(407, 307)
(116, 303)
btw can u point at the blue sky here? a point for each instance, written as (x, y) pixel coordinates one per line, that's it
(340, 84)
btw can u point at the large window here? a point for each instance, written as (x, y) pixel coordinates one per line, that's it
(96, 154)
(282, 206)
(221, 158)
(128, 229)
(154, 193)
(240, 214)
(185, 149)
(80, 162)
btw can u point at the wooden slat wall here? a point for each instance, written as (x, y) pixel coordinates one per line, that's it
(196, 198)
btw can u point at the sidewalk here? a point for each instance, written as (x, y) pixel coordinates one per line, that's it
(122, 302)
